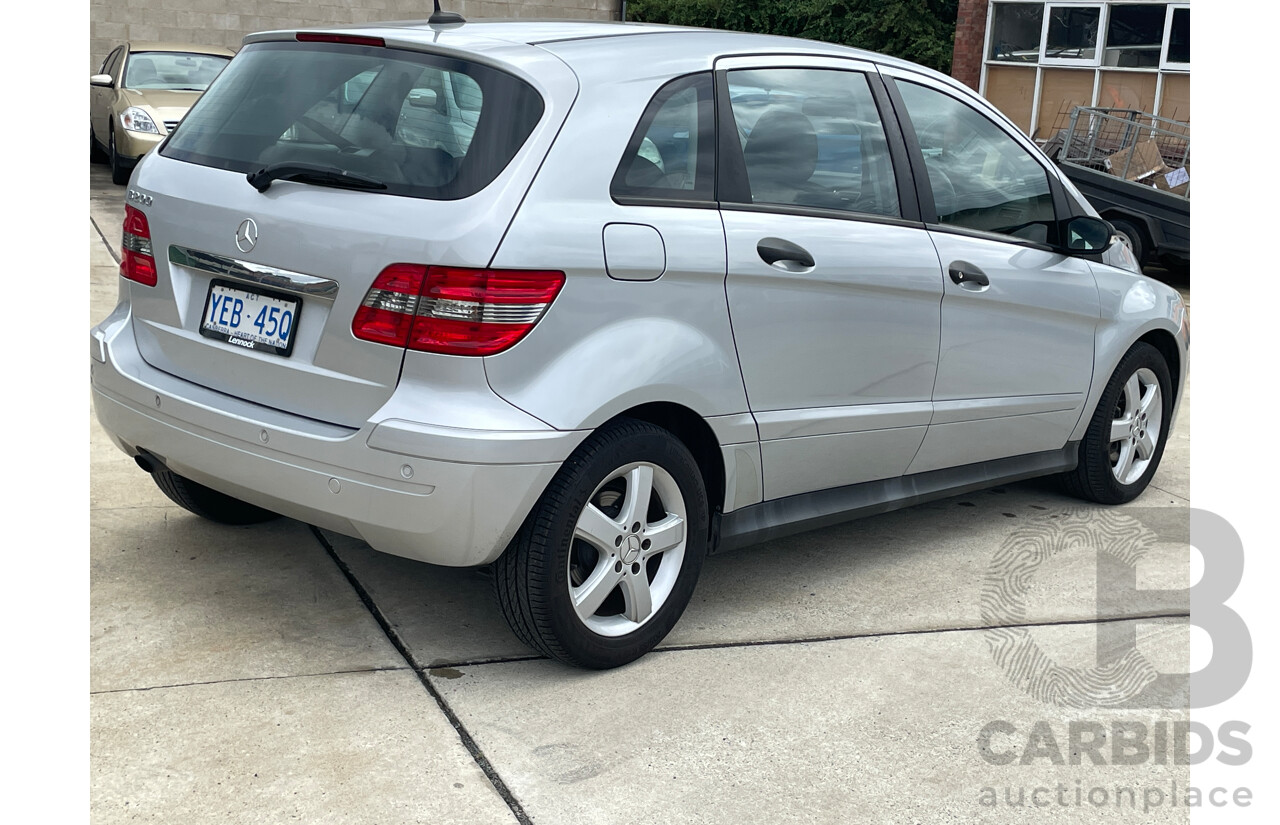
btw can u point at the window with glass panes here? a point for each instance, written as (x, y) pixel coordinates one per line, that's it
(1043, 59)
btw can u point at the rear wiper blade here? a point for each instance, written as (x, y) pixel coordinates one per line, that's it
(311, 173)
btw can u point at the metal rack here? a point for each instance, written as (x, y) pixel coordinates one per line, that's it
(1097, 133)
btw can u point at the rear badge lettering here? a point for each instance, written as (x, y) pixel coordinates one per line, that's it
(134, 196)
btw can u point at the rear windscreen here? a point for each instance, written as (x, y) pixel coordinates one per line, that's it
(425, 125)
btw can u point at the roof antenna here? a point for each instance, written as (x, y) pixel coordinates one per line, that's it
(442, 17)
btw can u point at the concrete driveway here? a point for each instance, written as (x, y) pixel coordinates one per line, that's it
(872, 672)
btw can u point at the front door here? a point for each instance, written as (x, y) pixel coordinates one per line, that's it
(1018, 320)
(100, 97)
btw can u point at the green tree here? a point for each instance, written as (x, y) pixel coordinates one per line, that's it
(922, 31)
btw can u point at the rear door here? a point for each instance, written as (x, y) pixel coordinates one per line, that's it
(834, 288)
(1018, 319)
(443, 194)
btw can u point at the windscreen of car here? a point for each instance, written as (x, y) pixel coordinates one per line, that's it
(424, 125)
(172, 71)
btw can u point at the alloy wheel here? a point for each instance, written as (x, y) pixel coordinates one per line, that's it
(1135, 426)
(628, 547)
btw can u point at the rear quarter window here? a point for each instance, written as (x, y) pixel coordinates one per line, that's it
(427, 126)
(671, 154)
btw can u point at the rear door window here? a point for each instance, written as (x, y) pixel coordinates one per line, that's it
(425, 125)
(813, 137)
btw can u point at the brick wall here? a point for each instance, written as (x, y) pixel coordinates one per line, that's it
(226, 22)
(971, 31)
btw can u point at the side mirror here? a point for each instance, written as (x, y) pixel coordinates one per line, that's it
(1085, 234)
(422, 98)
(100, 80)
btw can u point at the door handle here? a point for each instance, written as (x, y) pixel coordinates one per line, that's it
(784, 255)
(968, 276)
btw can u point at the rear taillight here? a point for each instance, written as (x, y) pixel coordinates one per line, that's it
(452, 310)
(139, 263)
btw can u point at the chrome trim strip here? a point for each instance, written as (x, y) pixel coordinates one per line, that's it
(253, 273)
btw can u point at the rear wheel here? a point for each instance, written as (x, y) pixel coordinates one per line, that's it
(607, 561)
(208, 503)
(1125, 440)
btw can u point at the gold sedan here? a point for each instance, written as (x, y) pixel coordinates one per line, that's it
(140, 93)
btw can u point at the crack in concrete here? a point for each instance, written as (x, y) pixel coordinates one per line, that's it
(838, 638)
(468, 742)
(105, 242)
(246, 679)
(926, 631)
(1178, 496)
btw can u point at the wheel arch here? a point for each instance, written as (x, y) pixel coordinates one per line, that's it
(1167, 346)
(1163, 336)
(696, 434)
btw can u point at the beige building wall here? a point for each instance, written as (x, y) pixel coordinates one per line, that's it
(226, 22)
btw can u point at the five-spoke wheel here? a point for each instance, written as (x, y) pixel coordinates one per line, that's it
(1135, 426)
(628, 547)
(607, 561)
(1122, 447)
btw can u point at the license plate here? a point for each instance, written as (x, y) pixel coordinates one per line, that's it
(250, 318)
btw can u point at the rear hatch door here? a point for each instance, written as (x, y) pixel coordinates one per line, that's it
(384, 155)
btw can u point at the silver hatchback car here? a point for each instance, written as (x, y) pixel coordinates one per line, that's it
(586, 302)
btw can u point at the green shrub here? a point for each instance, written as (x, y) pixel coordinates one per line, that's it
(922, 31)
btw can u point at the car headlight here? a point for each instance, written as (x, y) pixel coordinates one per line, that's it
(136, 120)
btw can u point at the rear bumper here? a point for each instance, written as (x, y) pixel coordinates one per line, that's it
(435, 494)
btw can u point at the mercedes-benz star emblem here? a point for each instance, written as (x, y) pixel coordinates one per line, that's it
(246, 235)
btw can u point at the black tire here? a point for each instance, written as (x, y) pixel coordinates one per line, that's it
(119, 172)
(1095, 477)
(96, 155)
(208, 503)
(1134, 237)
(532, 579)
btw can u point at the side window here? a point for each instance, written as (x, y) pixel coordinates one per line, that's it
(813, 137)
(980, 176)
(111, 65)
(671, 155)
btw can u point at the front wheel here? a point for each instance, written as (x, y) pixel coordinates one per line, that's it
(1125, 440)
(96, 155)
(119, 172)
(607, 561)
